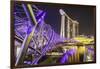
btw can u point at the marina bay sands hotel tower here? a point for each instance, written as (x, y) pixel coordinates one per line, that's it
(69, 27)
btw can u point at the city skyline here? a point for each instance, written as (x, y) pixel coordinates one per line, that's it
(85, 15)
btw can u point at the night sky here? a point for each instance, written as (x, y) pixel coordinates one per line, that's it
(85, 15)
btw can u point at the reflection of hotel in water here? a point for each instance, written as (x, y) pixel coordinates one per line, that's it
(83, 47)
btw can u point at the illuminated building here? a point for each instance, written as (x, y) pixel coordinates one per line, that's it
(69, 27)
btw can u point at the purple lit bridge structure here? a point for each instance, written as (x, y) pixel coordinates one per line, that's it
(35, 35)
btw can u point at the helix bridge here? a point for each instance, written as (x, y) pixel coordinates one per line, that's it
(44, 38)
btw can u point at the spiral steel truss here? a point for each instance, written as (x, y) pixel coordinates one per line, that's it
(36, 37)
